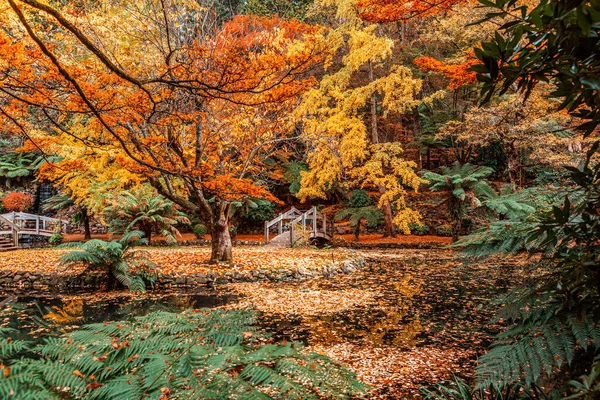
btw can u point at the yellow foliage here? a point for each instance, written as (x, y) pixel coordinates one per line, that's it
(334, 124)
(385, 168)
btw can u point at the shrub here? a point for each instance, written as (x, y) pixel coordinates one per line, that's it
(359, 198)
(142, 209)
(17, 201)
(56, 239)
(444, 230)
(360, 211)
(199, 230)
(419, 230)
(255, 211)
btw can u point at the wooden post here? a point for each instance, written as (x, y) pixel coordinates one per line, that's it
(292, 234)
(266, 232)
(37, 225)
(314, 221)
(325, 224)
(280, 225)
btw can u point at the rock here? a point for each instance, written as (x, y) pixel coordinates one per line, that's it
(201, 279)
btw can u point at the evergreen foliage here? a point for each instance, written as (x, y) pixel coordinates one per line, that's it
(144, 211)
(360, 209)
(461, 183)
(458, 389)
(519, 212)
(207, 354)
(19, 165)
(554, 324)
(116, 259)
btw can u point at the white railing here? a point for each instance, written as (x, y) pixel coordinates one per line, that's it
(30, 224)
(10, 229)
(312, 223)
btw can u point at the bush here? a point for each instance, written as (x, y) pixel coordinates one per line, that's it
(444, 230)
(56, 239)
(419, 230)
(117, 259)
(256, 211)
(17, 201)
(199, 230)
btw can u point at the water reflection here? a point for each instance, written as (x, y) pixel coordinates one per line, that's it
(392, 319)
(36, 317)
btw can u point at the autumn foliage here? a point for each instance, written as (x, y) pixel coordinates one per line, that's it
(394, 10)
(17, 202)
(457, 74)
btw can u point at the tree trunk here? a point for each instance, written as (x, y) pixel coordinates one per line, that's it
(387, 207)
(456, 210)
(86, 224)
(147, 229)
(357, 230)
(221, 247)
(388, 218)
(456, 227)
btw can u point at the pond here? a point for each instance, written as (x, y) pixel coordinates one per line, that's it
(407, 319)
(38, 317)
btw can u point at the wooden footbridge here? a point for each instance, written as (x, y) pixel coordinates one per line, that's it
(295, 226)
(13, 226)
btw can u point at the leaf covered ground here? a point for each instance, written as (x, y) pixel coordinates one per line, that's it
(179, 261)
(410, 318)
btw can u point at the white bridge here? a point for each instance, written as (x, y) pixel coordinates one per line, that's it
(14, 225)
(295, 226)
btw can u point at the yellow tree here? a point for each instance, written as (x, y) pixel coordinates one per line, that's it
(343, 140)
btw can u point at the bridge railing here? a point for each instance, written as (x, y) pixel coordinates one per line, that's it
(7, 227)
(313, 224)
(281, 223)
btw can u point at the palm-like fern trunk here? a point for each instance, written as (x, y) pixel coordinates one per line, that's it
(86, 224)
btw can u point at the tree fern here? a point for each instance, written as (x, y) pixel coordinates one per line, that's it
(117, 259)
(462, 184)
(202, 354)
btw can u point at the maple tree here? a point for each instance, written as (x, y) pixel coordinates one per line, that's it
(394, 10)
(194, 115)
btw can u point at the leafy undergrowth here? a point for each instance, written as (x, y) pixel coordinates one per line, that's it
(184, 260)
(408, 319)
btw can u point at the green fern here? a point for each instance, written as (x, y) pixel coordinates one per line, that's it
(208, 354)
(542, 340)
(116, 258)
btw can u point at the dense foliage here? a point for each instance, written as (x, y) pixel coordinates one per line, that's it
(462, 185)
(231, 111)
(197, 354)
(145, 211)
